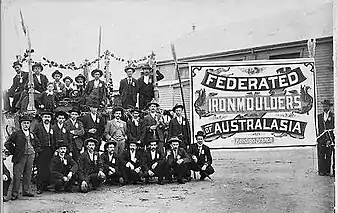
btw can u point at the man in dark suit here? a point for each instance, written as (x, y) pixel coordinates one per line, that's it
(134, 127)
(201, 157)
(60, 133)
(110, 164)
(68, 86)
(90, 167)
(128, 89)
(154, 162)
(23, 145)
(178, 160)
(63, 169)
(6, 179)
(20, 81)
(44, 133)
(326, 139)
(59, 87)
(132, 163)
(75, 127)
(153, 125)
(93, 125)
(40, 80)
(179, 126)
(95, 90)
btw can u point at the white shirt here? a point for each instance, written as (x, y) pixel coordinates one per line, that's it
(146, 79)
(153, 154)
(132, 156)
(47, 127)
(135, 122)
(73, 122)
(93, 117)
(60, 126)
(326, 115)
(153, 115)
(200, 149)
(179, 119)
(49, 92)
(91, 156)
(110, 157)
(130, 80)
(26, 132)
(39, 78)
(96, 83)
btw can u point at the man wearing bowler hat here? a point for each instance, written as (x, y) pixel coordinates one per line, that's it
(75, 127)
(44, 133)
(110, 164)
(116, 130)
(179, 126)
(178, 160)
(90, 167)
(59, 87)
(63, 169)
(22, 144)
(128, 89)
(201, 156)
(132, 163)
(20, 81)
(154, 162)
(95, 90)
(326, 139)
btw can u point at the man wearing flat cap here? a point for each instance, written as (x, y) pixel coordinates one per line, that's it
(178, 160)
(132, 163)
(326, 139)
(95, 90)
(44, 133)
(75, 127)
(91, 175)
(116, 130)
(22, 144)
(179, 126)
(128, 88)
(201, 156)
(110, 164)
(20, 81)
(63, 169)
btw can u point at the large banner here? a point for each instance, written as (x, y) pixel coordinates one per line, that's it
(254, 103)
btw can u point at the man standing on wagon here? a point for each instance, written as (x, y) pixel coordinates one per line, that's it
(128, 89)
(96, 90)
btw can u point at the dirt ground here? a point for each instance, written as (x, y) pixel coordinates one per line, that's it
(245, 181)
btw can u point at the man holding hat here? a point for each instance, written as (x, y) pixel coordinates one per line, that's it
(178, 160)
(201, 156)
(154, 162)
(59, 87)
(75, 127)
(153, 125)
(63, 169)
(179, 126)
(44, 133)
(95, 90)
(132, 163)
(326, 139)
(68, 86)
(20, 81)
(93, 124)
(110, 164)
(116, 130)
(61, 135)
(23, 145)
(90, 167)
(134, 127)
(128, 89)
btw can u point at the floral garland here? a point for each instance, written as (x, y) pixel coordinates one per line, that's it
(24, 57)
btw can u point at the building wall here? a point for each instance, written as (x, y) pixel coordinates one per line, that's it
(170, 94)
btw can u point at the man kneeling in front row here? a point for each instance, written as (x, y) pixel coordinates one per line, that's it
(201, 157)
(90, 174)
(63, 169)
(110, 163)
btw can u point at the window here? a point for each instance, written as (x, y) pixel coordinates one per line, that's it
(285, 56)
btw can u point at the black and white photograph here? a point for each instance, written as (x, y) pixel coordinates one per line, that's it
(159, 106)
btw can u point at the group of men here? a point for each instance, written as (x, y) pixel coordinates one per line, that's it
(49, 94)
(68, 151)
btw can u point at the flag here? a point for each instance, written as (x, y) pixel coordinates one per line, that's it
(23, 23)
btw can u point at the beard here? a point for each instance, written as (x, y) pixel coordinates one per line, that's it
(46, 121)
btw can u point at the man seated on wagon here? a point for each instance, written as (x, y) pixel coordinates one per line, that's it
(68, 86)
(59, 87)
